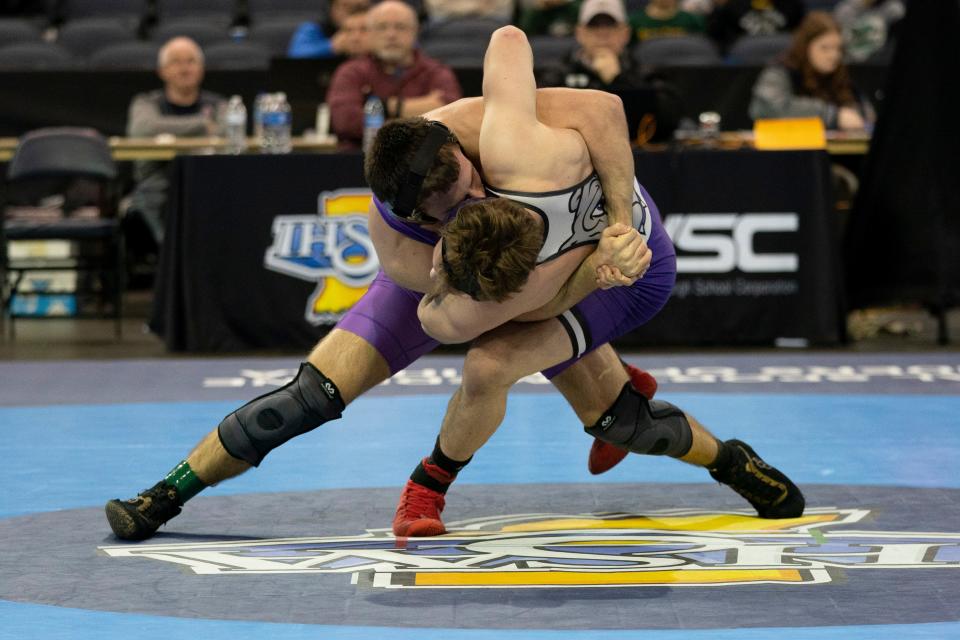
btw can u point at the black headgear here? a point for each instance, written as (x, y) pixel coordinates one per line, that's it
(406, 201)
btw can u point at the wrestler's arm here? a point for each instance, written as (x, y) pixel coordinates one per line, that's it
(454, 317)
(405, 260)
(599, 118)
(620, 246)
(596, 115)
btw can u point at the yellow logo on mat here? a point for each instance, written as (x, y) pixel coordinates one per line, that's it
(668, 548)
(331, 248)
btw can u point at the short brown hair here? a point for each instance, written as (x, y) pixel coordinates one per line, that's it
(393, 149)
(836, 87)
(490, 248)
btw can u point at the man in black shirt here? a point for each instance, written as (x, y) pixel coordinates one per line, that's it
(602, 61)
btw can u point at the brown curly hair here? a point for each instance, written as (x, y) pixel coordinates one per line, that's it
(834, 87)
(388, 162)
(489, 250)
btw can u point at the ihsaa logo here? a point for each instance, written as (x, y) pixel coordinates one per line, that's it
(331, 248)
(673, 548)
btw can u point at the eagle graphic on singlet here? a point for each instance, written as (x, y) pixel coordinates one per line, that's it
(574, 216)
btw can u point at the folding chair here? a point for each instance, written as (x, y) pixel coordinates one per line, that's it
(71, 170)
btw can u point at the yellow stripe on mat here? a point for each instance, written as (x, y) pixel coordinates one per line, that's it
(526, 578)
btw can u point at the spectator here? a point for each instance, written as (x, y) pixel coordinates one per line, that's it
(699, 7)
(732, 19)
(407, 81)
(602, 61)
(662, 18)
(812, 80)
(181, 108)
(866, 25)
(354, 36)
(548, 17)
(328, 38)
(440, 10)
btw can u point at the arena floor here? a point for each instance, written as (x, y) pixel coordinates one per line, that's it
(539, 548)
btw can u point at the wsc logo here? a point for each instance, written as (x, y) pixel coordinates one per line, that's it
(667, 548)
(331, 248)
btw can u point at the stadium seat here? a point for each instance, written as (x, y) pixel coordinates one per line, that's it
(467, 52)
(266, 11)
(84, 36)
(758, 50)
(274, 34)
(203, 32)
(677, 51)
(218, 11)
(549, 50)
(126, 56)
(13, 30)
(116, 9)
(466, 28)
(36, 56)
(236, 55)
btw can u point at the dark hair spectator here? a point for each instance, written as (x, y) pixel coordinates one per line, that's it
(812, 80)
(335, 35)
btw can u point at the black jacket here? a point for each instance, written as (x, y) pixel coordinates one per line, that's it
(573, 72)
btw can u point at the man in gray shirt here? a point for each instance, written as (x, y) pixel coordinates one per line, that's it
(180, 108)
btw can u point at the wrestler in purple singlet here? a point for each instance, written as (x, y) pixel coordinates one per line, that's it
(386, 316)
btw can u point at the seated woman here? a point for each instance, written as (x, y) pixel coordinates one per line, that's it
(812, 80)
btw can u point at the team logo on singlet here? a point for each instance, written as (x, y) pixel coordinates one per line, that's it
(671, 548)
(332, 248)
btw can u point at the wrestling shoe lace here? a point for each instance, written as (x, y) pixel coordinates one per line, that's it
(770, 492)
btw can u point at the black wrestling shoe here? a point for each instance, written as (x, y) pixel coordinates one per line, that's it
(140, 517)
(770, 492)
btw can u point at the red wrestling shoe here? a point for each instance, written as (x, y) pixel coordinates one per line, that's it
(418, 513)
(605, 456)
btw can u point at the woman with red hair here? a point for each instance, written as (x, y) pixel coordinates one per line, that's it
(812, 80)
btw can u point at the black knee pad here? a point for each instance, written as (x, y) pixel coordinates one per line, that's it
(262, 425)
(650, 427)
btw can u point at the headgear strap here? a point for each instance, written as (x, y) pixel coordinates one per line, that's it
(406, 200)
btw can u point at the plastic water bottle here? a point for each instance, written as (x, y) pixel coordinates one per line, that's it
(258, 104)
(236, 126)
(275, 116)
(283, 133)
(373, 117)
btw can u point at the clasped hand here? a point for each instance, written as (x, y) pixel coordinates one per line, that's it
(622, 257)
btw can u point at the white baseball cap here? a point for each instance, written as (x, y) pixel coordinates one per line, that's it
(590, 9)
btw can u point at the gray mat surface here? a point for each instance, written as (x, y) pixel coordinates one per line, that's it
(52, 558)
